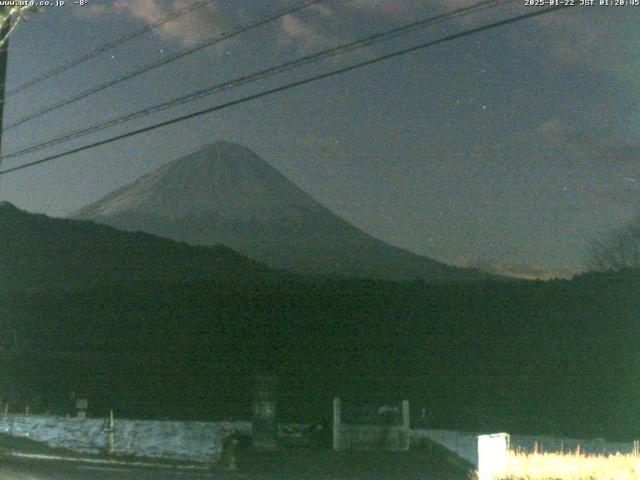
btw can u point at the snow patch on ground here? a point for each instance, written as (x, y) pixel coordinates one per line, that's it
(465, 445)
(191, 441)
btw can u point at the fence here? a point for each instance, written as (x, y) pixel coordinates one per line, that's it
(387, 429)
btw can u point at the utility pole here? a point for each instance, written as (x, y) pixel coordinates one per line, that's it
(5, 29)
(9, 361)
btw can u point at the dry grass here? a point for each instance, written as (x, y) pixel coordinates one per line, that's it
(571, 466)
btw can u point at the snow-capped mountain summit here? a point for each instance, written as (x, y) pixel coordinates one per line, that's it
(225, 193)
(221, 179)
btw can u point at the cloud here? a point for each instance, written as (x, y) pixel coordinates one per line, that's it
(315, 28)
(621, 154)
(312, 28)
(92, 10)
(624, 196)
(188, 29)
(605, 151)
(322, 25)
(582, 39)
(323, 10)
(305, 34)
(381, 7)
(596, 146)
(552, 129)
(394, 8)
(570, 38)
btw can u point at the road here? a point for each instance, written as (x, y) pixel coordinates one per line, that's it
(29, 469)
(420, 463)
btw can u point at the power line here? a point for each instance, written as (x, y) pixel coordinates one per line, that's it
(329, 52)
(166, 61)
(104, 48)
(287, 86)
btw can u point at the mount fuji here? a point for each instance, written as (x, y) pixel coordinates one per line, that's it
(226, 194)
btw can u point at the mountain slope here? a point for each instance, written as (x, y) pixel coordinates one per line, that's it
(225, 194)
(37, 251)
(555, 357)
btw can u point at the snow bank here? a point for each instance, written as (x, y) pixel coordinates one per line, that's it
(465, 445)
(193, 441)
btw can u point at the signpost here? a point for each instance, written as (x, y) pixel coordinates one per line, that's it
(265, 429)
(82, 404)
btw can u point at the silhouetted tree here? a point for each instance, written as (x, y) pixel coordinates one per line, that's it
(10, 16)
(618, 251)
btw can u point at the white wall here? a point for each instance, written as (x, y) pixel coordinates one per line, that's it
(195, 441)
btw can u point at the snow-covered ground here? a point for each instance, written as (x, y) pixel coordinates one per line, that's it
(465, 445)
(193, 441)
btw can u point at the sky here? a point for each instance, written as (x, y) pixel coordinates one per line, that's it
(510, 149)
